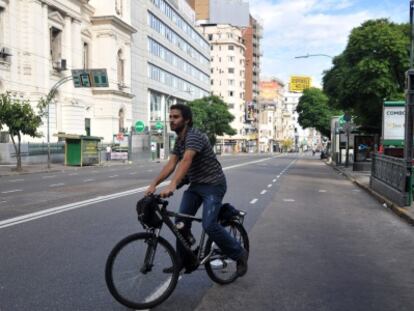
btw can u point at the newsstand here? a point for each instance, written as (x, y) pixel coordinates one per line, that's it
(81, 150)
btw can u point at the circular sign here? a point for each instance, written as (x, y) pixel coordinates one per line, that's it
(139, 126)
(159, 125)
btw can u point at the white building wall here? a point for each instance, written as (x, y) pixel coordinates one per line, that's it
(29, 72)
(225, 84)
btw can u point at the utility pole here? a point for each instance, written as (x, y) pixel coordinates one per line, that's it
(409, 109)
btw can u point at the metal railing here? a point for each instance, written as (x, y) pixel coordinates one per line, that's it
(389, 177)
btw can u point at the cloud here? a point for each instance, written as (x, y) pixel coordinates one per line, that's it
(299, 27)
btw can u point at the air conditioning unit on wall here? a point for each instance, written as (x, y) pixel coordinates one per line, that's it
(60, 65)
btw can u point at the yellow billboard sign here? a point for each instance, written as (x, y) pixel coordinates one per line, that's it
(299, 83)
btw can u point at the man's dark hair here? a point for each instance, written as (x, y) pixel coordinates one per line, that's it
(185, 112)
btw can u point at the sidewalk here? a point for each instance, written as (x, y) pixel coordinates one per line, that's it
(361, 178)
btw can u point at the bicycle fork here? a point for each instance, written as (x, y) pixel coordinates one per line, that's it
(150, 254)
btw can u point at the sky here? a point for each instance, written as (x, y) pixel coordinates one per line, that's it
(299, 27)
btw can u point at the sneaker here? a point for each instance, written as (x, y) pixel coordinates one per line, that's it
(242, 264)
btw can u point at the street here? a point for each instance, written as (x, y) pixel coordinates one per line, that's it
(317, 241)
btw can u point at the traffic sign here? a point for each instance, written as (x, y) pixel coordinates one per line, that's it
(139, 126)
(159, 125)
(90, 78)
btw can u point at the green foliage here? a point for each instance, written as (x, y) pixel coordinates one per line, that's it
(370, 70)
(19, 117)
(287, 144)
(211, 115)
(314, 111)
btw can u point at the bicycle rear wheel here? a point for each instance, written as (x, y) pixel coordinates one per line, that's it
(134, 271)
(220, 268)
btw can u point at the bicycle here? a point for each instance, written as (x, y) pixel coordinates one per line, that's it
(134, 268)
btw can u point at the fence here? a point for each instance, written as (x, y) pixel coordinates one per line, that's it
(389, 177)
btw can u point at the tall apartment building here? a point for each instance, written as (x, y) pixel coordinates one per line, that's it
(235, 13)
(170, 63)
(228, 77)
(251, 38)
(41, 41)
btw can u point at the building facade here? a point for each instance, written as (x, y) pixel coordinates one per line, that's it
(228, 78)
(170, 64)
(43, 40)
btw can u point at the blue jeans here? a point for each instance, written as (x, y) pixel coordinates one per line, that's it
(211, 197)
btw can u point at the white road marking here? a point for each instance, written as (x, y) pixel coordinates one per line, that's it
(269, 185)
(159, 290)
(274, 180)
(94, 172)
(11, 191)
(288, 200)
(63, 208)
(321, 190)
(73, 174)
(253, 201)
(113, 176)
(263, 192)
(48, 176)
(278, 176)
(149, 170)
(1, 202)
(88, 180)
(356, 190)
(56, 185)
(133, 173)
(16, 180)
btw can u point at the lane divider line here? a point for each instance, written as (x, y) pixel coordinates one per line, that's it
(11, 191)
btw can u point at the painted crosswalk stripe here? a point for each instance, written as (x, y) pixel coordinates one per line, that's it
(321, 190)
(263, 192)
(11, 191)
(113, 176)
(288, 200)
(274, 180)
(253, 201)
(56, 185)
(16, 180)
(269, 185)
(49, 176)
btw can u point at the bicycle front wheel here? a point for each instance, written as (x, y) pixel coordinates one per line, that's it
(134, 271)
(220, 268)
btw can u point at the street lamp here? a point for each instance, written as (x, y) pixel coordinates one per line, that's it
(312, 55)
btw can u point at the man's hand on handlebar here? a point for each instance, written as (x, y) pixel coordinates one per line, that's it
(150, 190)
(168, 191)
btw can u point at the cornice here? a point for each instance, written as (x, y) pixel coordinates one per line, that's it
(114, 21)
(53, 4)
(112, 92)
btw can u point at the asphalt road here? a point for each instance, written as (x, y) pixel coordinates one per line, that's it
(317, 242)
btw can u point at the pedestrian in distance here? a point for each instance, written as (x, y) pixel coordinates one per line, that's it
(108, 153)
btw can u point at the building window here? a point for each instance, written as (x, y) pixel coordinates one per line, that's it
(230, 82)
(85, 55)
(231, 70)
(155, 107)
(210, 37)
(231, 93)
(55, 44)
(230, 58)
(120, 67)
(231, 47)
(212, 82)
(1, 24)
(88, 126)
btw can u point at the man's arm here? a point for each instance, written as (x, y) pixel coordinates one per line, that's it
(182, 170)
(164, 174)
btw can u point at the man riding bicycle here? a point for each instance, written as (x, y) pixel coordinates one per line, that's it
(196, 159)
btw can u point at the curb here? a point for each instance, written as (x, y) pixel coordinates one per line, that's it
(398, 210)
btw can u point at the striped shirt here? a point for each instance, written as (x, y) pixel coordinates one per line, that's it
(205, 168)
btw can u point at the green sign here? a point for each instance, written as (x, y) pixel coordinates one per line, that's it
(90, 78)
(139, 126)
(159, 125)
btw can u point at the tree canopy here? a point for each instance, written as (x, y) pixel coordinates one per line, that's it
(20, 119)
(314, 111)
(370, 70)
(211, 115)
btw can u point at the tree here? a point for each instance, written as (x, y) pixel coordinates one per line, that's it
(211, 115)
(370, 70)
(19, 117)
(287, 144)
(314, 111)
